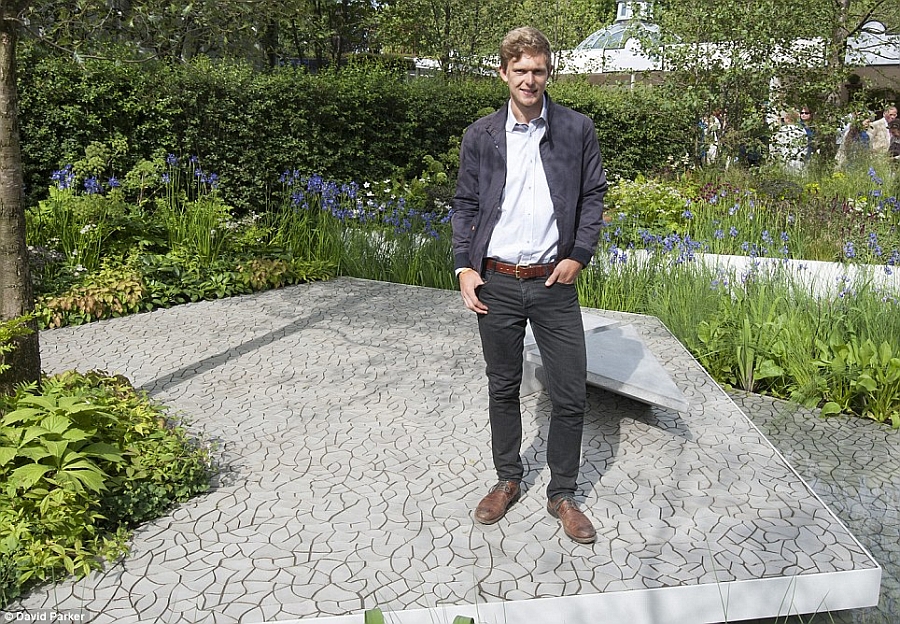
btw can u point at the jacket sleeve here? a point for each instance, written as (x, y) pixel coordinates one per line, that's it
(465, 201)
(593, 189)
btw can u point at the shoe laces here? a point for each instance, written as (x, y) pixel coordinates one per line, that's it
(557, 501)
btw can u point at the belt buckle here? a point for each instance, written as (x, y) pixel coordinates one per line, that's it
(523, 267)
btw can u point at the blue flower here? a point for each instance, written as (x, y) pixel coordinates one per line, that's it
(113, 182)
(91, 186)
(63, 177)
(171, 160)
(874, 176)
(733, 232)
(849, 250)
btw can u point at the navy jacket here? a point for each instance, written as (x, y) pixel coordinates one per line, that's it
(570, 154)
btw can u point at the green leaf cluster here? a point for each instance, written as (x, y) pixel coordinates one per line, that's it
(10, 330)
(81, 462)
(147, 282)
(655, 205)
(865, 379)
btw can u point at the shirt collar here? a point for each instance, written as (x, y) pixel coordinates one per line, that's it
(511, 121)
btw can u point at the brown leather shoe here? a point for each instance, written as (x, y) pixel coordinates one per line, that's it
(574, 523)
(493, 506)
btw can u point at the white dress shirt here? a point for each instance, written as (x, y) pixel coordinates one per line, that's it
(526, 232)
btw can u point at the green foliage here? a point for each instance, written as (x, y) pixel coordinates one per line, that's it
(111, 292)
(765, 331)
(175, 278)
(248, 127)
(10, 330)
(863, 378)
(81, 462)
(150, 281)
(641, 130)
(648, 205)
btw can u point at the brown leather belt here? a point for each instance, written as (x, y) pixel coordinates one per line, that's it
(520, 271)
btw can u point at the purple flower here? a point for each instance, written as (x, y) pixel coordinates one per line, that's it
(874, 176)
(849, 250)
(91, 186)
(63, 177)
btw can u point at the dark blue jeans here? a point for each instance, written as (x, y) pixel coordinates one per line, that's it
(555, 318)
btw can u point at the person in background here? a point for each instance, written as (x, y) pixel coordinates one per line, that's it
(894, 147)
(806, 118)
(879, 134)
(855, 140)
(527, 216)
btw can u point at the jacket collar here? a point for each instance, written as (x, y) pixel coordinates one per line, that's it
(497, 125)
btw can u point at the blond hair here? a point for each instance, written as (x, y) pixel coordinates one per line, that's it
(524, 40)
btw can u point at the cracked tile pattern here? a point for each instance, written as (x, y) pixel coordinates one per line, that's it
(854, 466)
(351, 422)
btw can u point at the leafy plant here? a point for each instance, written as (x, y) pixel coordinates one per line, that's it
(10, 330)
(865, 379)
(81, 462)
(648, 205)
(114, 291)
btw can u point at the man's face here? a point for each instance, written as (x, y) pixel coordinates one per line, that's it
(890, 115)
(526, 77)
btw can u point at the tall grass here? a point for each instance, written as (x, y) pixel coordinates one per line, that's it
(765, 330)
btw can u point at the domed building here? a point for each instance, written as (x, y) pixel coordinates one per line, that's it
(614, 53)
(631, 23)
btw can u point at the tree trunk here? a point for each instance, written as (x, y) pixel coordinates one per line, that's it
(838, 51)
(16, 297)
(270, 42)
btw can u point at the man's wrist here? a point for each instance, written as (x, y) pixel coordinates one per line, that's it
(463, 270)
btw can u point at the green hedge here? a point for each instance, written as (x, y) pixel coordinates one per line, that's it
(364, 123)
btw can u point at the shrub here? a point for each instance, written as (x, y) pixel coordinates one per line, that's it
(81, 462)
(114, 291)
(249, 126)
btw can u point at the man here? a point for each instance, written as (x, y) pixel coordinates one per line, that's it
(879, 134)
(527, 215)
